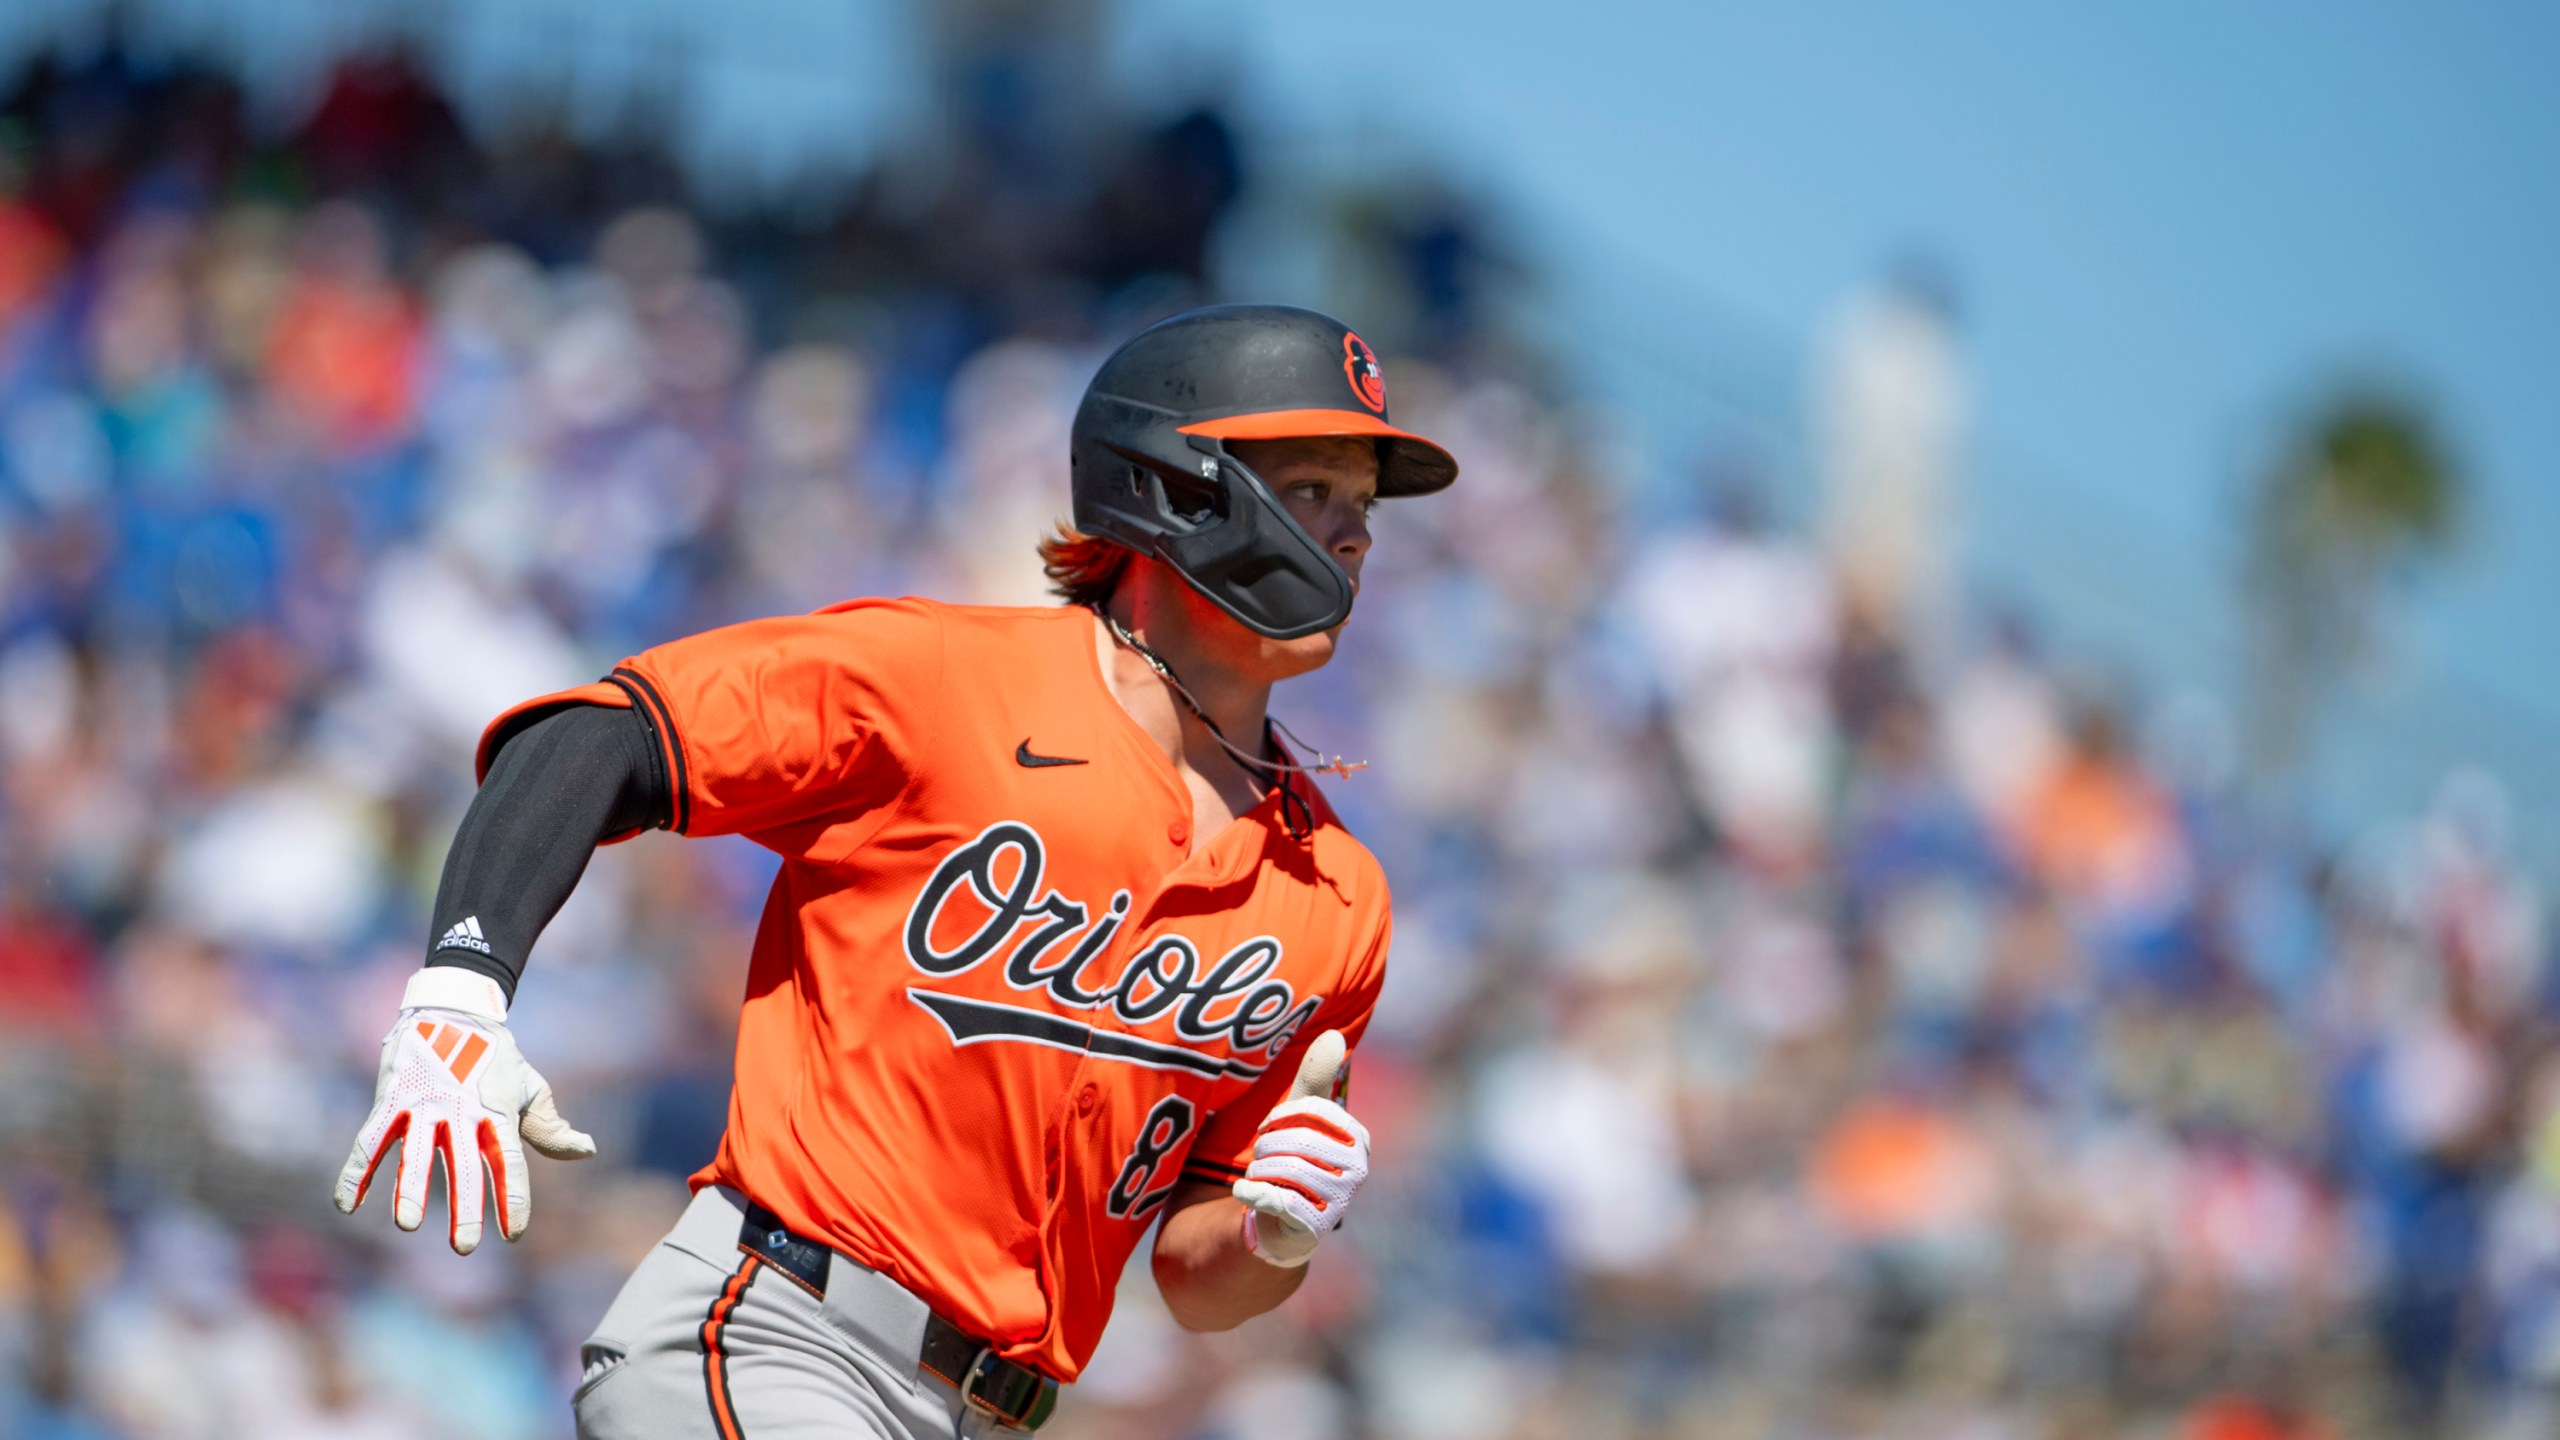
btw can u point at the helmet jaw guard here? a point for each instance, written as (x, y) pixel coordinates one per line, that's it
(1215, 522)
(1152, 469)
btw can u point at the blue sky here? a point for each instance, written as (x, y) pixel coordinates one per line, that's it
(2168, 222)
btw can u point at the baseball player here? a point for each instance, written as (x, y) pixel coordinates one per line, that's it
(1064, 943)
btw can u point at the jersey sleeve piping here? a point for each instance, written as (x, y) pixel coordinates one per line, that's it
(653, 709)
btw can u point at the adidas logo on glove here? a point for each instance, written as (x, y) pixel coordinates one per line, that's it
(465, 935)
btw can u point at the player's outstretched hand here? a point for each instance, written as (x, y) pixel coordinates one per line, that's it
(453, 1084)
(1308, 1158)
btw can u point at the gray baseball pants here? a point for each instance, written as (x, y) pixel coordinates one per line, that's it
(700, 1345)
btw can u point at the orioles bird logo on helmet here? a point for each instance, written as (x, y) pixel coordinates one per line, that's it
(1360, 367)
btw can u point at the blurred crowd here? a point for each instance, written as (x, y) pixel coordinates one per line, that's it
(1809, 1017)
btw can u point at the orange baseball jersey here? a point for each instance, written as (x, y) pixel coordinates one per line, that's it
(997, 1006)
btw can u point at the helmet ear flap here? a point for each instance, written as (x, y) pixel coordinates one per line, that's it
(1256, 562)
(1209, 516)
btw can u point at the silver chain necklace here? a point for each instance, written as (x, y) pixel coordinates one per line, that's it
(1273, 769)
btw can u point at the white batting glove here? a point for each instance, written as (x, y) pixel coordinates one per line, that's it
(1308, 1158)
(452, 1084)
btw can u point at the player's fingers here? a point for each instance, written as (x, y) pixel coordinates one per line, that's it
(1314, 1113)
(417, 1165)
(1322, 1172)
(1341, 1165)
(1322, 1186)
(464, 1203)
(503, 1152)
(1323, 1065)
(349, 1192)
(544, 1129)
(381, 1128)
(1304, 1146)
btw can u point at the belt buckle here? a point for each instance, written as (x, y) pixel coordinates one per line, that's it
(969, 1386)
(1034, 1410)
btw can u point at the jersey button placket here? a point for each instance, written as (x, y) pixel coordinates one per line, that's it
(1087, 1098)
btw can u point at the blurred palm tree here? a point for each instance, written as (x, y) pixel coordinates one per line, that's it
(2364, 491)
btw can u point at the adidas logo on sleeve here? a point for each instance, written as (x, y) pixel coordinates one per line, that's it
(465, 935)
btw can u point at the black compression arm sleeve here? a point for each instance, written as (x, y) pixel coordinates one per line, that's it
(557, 789)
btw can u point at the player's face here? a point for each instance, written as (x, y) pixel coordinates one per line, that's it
(1329, 486)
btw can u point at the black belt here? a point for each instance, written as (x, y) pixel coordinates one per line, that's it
(1017, 1395)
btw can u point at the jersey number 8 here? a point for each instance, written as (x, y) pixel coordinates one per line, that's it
(1165, 1128)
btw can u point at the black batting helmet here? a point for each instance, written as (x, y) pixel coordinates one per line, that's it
(1152, 470)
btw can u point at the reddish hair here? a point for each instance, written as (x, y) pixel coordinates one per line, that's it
(1083, 569)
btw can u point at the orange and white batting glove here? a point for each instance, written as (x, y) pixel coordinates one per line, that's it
(1308, 1158)
(452, 1084)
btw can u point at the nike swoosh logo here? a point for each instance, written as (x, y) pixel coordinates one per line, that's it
(1022, 756)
